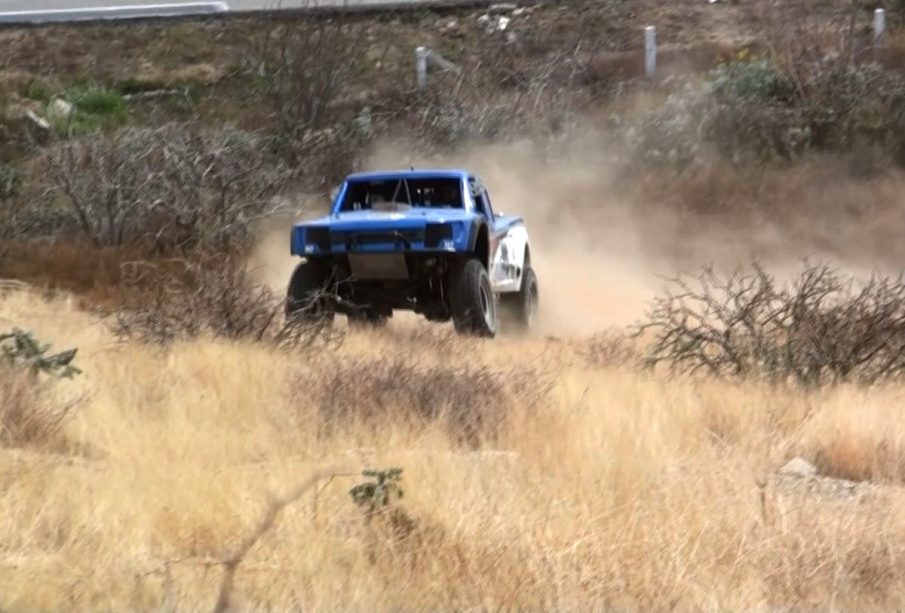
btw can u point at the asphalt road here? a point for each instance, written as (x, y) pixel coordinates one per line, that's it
(235, 5)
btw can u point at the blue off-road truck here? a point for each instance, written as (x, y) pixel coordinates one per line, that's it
(427, 241)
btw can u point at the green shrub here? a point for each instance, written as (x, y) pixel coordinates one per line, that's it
(98, 101)
(750, 81)
(94, 108)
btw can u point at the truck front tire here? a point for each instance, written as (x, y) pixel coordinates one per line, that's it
(472, 302)
(309, 298)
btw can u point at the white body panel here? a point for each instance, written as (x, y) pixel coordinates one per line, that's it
(508, 262)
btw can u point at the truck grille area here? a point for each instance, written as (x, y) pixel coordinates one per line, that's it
(353, 238)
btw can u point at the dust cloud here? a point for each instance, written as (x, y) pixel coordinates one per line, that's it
(588, 254)
(603, 247)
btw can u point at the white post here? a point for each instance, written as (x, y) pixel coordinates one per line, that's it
(650, 51)
(879, 25)
(421, 54)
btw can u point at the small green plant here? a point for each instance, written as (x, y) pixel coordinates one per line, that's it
(96, 100)
(94, 107)
(750, 80)
(20, 349)
(10, 182)
(38, 91)
(379, 493)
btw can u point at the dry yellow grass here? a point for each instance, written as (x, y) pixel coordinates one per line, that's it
(624, 491)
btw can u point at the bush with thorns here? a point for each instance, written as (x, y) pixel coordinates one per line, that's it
(821, 328)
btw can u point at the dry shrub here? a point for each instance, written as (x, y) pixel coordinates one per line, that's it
(176, 186)
(430, 339)
(859, 446)
(29, 416)
(497, 90)
(611, 348)
(472, 403)
(810, 90)
(94, 274)
(305, 69)
(822, 328)
(216, 296)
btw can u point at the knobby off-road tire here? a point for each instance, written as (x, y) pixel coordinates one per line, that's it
(519, 309)
(473, 305)
(309, 297)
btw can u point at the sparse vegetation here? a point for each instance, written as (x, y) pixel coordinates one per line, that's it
(181, 300)
(609, 469)
(469, 402)
(540, 473)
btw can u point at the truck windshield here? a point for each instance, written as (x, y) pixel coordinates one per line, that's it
(398, 194)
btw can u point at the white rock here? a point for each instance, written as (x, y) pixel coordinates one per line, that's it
(799, 467)
(59, 108)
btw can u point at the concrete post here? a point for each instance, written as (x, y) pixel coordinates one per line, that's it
(879, 25)
(421, 54)
(650, 51)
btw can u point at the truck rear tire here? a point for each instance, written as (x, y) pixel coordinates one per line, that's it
(472, 302)
(309, 298)
(519, 309)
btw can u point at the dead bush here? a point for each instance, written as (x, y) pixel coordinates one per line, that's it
(472, 403)
(306, 67)
(821, 328)
(306, 71)
(176, 186)
(216, 296)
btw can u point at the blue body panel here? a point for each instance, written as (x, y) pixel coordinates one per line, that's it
(416, 229)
